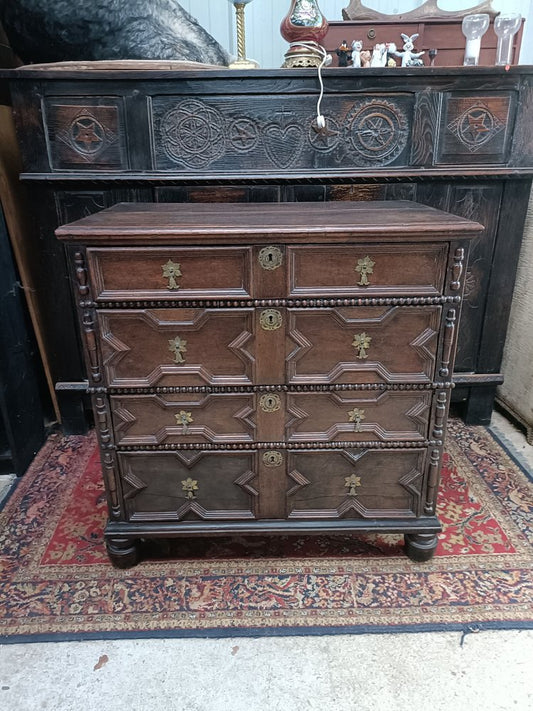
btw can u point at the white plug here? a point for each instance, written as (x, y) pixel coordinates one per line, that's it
(320, 121)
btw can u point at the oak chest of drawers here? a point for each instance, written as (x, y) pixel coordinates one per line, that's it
(276, 368)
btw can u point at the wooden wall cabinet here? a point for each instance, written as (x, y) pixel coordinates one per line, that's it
(270, 369)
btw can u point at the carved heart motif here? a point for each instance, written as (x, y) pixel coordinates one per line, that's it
(283, 145)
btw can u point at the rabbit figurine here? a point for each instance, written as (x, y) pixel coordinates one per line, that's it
(409, 57)
(357, 46)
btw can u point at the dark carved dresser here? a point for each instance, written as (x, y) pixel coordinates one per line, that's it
(276, 368)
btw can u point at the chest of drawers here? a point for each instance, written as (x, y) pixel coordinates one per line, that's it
(276, 368)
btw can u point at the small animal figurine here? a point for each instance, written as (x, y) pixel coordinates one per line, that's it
(357, 46)
(344, 54)
(365, 58)
(379, 56)
(409, 57)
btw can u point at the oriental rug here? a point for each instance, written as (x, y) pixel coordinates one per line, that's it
(56, 582)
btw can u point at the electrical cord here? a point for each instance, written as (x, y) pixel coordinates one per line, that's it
(326, 60)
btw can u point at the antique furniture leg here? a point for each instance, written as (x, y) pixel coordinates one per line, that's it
(123, 552)
(420, 547)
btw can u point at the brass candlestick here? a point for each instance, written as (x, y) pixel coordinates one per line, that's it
(241, 62)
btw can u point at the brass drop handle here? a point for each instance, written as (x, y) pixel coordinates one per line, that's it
(190, 487)
(361, 343)
(177, 346)
(184, 419)
(364, 268)
(351, 483)
(357, 416)
(171, 271)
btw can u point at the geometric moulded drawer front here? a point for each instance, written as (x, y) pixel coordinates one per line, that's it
(366, 270)
(357, 416)
(355, 484)
(181, 486)
(170, 273)
(168, 347)
(363, 344)
(159, 419)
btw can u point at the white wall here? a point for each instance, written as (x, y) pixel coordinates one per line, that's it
(265, 44)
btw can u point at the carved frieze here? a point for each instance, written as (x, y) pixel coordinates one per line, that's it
(267, 133)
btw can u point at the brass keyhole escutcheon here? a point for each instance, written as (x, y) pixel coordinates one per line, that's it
(364, 268)
(270, 403)
(171, 271)
(271, 320)
(270, 258)
(272, 459)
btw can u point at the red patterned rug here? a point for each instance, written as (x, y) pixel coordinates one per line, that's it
(56, 581)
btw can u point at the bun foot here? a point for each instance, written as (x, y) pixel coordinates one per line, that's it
(122, 552)
(420, 546)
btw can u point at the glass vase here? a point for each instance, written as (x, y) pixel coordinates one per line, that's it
(474, 27)
(506, 25)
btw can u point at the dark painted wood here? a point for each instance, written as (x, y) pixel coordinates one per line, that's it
(256, 143)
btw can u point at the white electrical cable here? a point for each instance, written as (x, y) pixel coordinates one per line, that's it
(314, 46)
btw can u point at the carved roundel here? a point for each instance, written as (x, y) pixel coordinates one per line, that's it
(243, 135)
(192, 133)
(324, 139)
(377, 130)
(87, 135)
(475, 127)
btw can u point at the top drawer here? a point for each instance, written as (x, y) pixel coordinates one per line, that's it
(367, 270)
(170, 273)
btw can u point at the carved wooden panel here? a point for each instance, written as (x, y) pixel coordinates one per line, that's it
(269, 132)
(177, 347)
(366, 270)
(355, 417)
(355, 484)
(86, 133)
(362, 344)
(170, 273)
(476, 129)
(158, 419)
(180, 486)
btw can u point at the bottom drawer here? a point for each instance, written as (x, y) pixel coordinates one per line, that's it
(355, 483)
(180, 486)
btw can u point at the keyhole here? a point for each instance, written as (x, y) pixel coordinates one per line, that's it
(270, 319)
(270, 402)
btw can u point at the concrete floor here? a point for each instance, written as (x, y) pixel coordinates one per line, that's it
(441, 671)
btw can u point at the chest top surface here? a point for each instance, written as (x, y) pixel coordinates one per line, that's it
(222, 222)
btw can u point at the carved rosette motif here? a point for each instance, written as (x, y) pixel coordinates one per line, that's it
(377, 130)
(193, 133)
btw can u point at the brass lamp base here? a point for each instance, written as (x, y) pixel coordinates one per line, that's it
(302, 57)
(244, 64)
